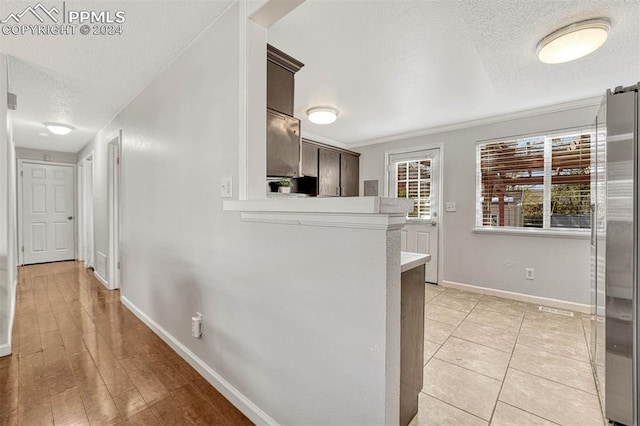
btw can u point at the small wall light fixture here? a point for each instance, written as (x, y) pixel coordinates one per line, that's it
(573, 41)
(322, 115)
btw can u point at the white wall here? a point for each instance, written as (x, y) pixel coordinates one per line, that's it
(294, 316)
(4, 210)
(7, 216)
(496, 261)
(39, 155)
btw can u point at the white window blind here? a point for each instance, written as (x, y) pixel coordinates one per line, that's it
(413, 181)
(535, 182)
(570, 181)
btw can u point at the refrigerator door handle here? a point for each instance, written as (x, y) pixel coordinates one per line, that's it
(593, 225)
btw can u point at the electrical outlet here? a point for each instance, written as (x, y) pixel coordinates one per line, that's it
(529, 273)
(196, 325)
(226, 187)
(450, 206)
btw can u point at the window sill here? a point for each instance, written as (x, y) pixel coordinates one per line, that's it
(549, 233)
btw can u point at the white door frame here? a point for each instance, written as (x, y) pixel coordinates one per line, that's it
(114, 147)
(80, 254)
(441, 219)
(85, 203)
(20, 224)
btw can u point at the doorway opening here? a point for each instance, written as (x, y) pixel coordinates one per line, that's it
(85, 202)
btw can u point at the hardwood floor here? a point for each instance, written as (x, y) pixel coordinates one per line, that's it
(81, 357)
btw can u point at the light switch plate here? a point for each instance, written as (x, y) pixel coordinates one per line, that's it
(451, 206)
(226, 187)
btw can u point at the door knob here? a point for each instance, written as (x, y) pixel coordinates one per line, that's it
(70, 218)
(434, 223)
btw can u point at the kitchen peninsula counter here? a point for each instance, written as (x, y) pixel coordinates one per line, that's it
(411, 332)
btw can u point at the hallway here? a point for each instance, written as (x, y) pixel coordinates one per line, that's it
(81, 357)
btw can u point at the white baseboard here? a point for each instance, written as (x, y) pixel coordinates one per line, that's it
(553, 303)
(101, 279)
(244, 404)
(5, 350)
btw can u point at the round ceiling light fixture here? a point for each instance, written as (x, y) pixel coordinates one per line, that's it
(322, 115)
(59, 128)
(573, 41)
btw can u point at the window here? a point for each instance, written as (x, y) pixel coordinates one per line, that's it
(413, 180)
(539, 182)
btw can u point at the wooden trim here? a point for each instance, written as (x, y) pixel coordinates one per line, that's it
(280, 58)
(331, 147)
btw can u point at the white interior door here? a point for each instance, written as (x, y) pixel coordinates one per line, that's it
(416, 175)
(47, 213)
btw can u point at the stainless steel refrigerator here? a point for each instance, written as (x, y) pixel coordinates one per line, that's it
(615, 223)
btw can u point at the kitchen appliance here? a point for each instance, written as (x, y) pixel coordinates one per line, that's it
(615, 271)
(283, 145)
(306, 185)
(283, 129)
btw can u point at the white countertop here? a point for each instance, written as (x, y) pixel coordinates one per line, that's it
(409, 260)
(344, 205)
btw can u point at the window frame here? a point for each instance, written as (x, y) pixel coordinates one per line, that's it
(414, 152)
(418, 160)
(546, 230)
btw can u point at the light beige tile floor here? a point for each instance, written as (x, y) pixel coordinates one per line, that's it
(495, 361)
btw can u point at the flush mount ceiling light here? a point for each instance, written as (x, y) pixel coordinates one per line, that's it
(322, 115)
(59, 128)
(573, 41)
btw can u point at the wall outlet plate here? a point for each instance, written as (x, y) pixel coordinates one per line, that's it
(451, 206)
(196, 325)
(226, 187)
(529, 273)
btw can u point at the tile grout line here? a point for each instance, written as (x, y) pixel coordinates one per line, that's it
(452, 335)
(465, 368)
(592, 364)
(495, 404)
(529, 412)
(552, 381)
(451, 405)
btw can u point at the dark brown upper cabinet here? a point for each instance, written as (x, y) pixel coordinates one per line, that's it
(283, 129)
(349, 175)
(281, 70)
(309, 161)
(337, 170)
(328, 173)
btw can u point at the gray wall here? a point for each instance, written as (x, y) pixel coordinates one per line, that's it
(302, 342)
(4, 210)
(8, 245)
(496, 261)
(39, 155)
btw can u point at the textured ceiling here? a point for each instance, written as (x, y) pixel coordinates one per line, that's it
(401, 66)
(85, 80)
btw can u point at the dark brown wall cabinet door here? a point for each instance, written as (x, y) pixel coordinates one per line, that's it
(280, 84)
(328, 173)
(349, 175)
(309, 160)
